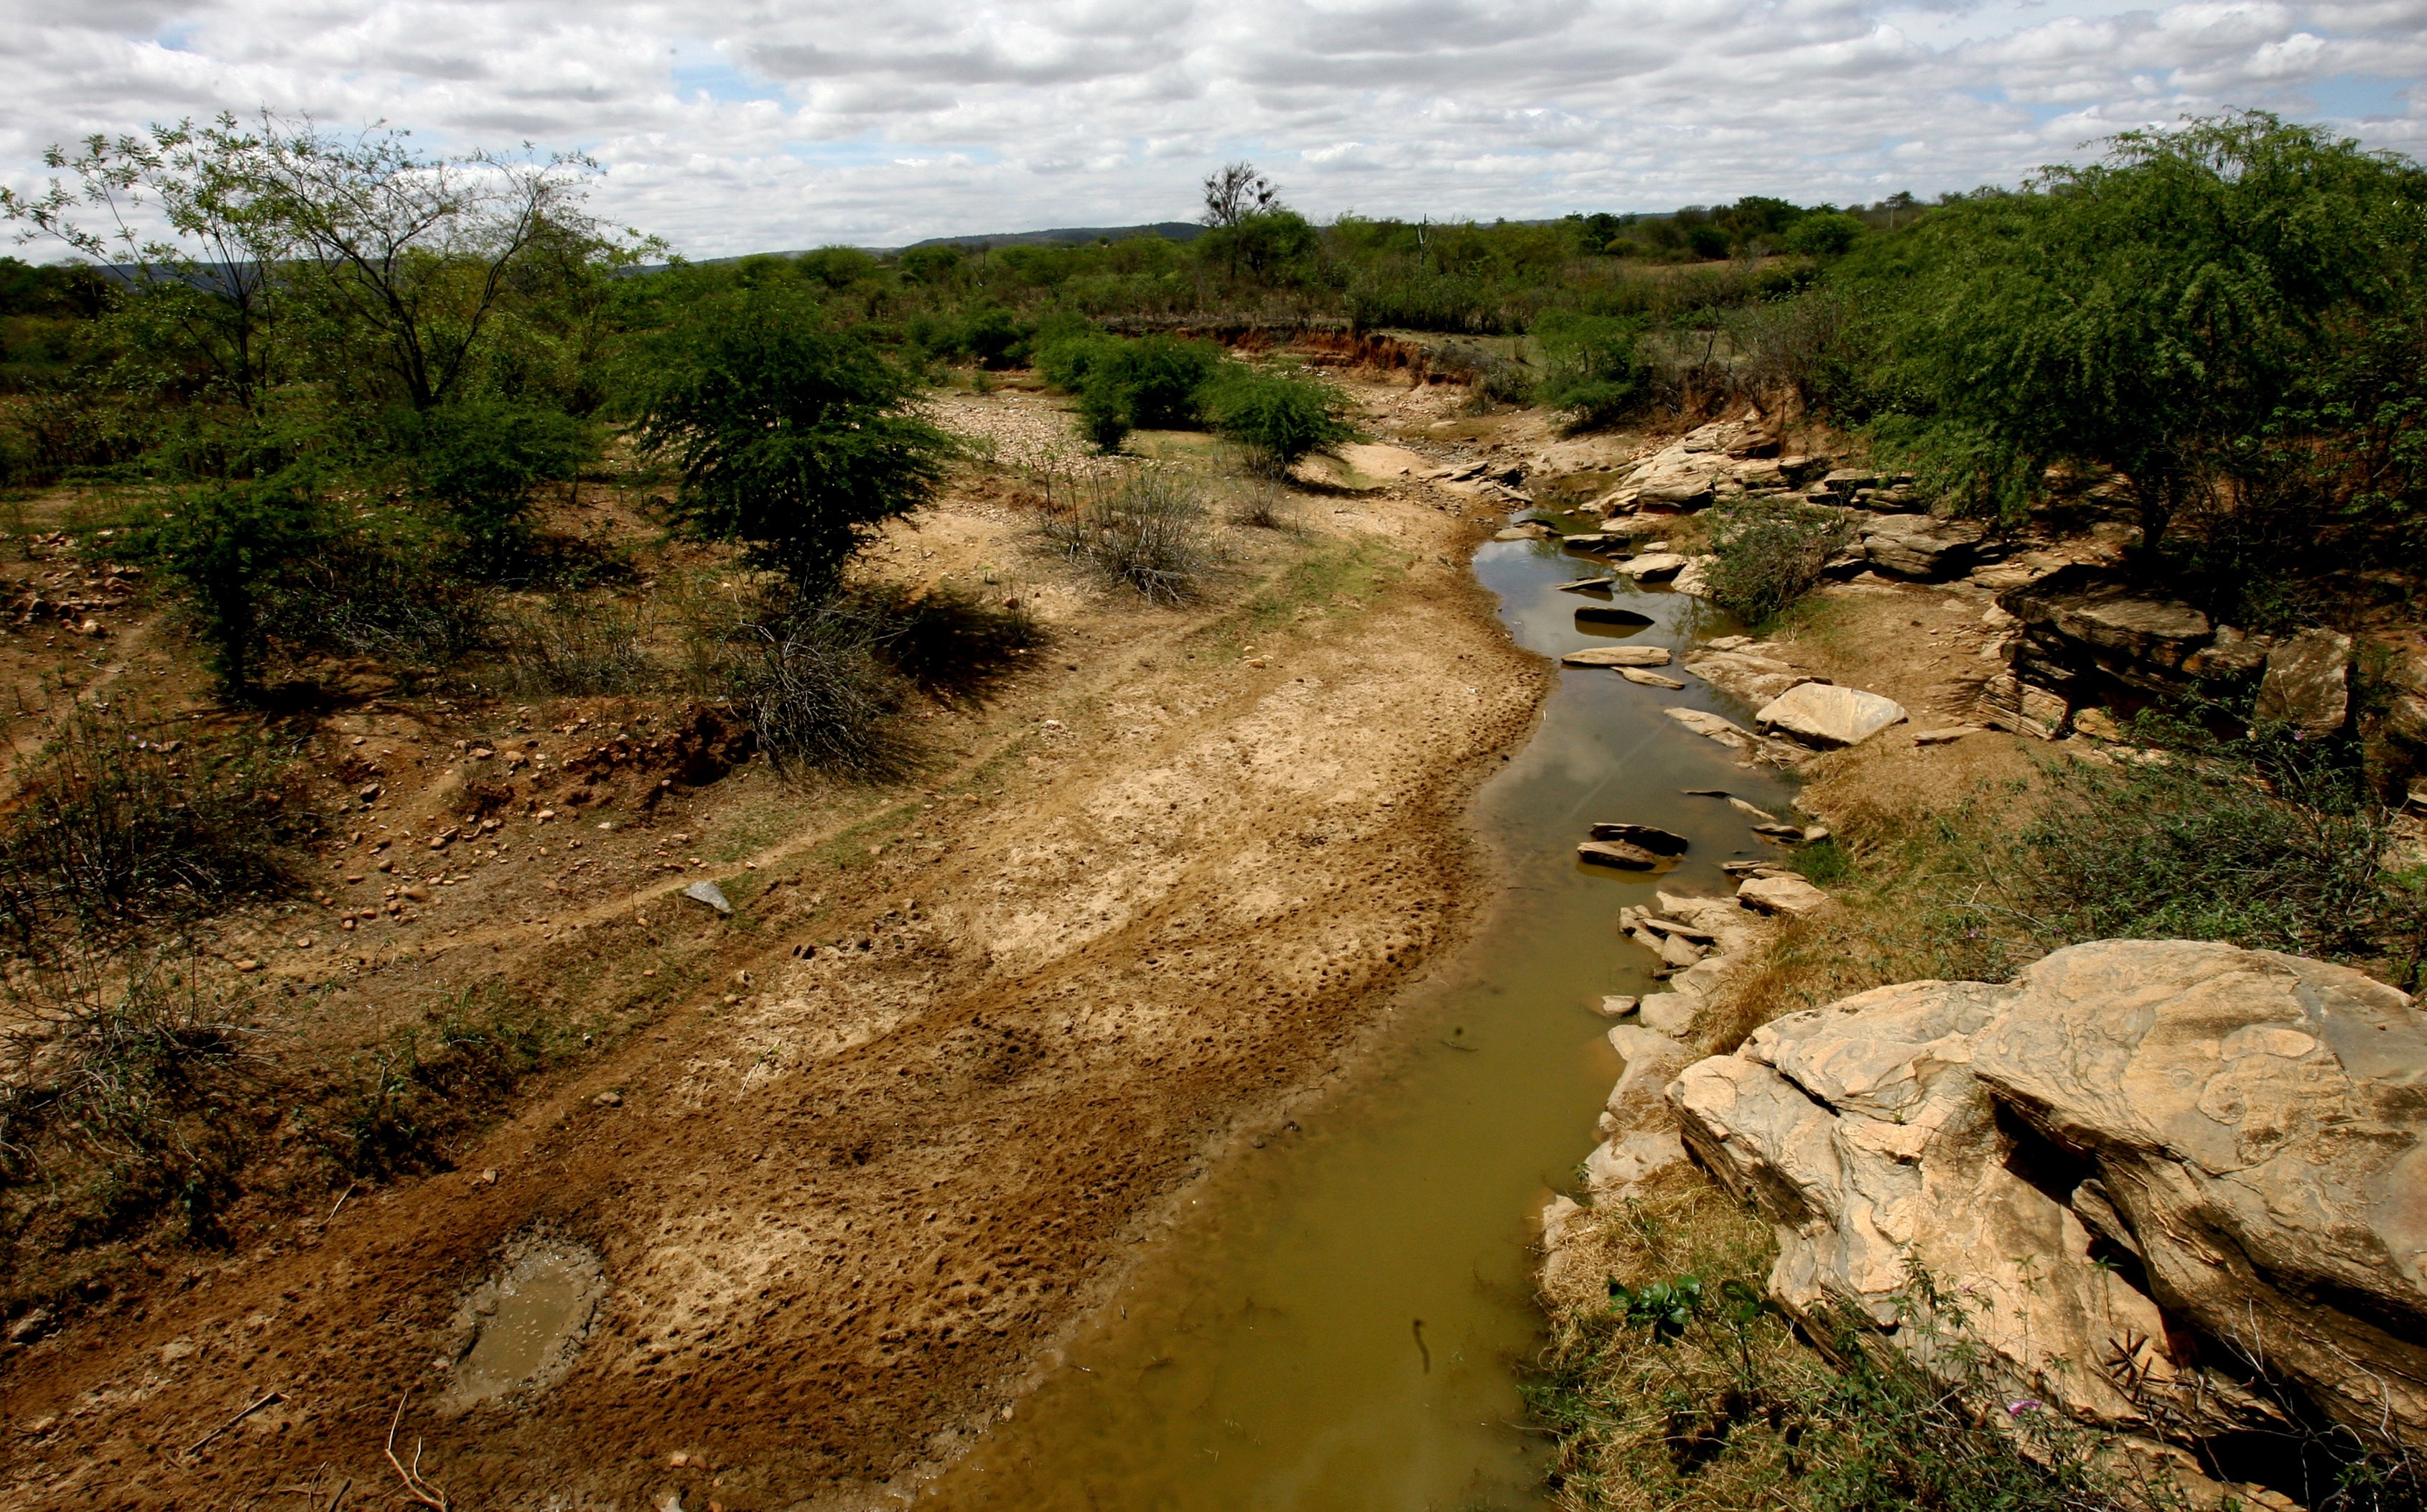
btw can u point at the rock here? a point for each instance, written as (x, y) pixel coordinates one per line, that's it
(1921, 545)
(1559, 1216)
(1653, 1059)
(1677, 952)
(1649, 679)
(1945, 734)
(2086, 618)
(1752, 810)
(1846, 479)
(1528, 532)
(1671, 1013)
(2008, 702)
(1757, 679)
(1587, 585)
(1622, 1162)
(2137, 1145)
(708, 893)
(1735, 736)
(1858, 1128)
(1650, 567)
(1782, 895)
(1773, 829)
(1621, 856)
(1610, 614)
(2308, 684)
(1649, 836)
(1617, 1007)
(1694, 577)
(1617, 656)
(2232, 654)
(2255, 1120)
(1824, 714)
(608, 1100)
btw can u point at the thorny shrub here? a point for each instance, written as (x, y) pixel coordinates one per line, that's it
(1141, 531)
(1770, 552)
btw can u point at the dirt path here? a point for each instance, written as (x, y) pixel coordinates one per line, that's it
(846, 1202)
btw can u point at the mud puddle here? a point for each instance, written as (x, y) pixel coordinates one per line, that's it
(522, 1328)
(1339, 1319)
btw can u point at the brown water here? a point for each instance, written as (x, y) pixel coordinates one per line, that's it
(531, 1319)
(1339, 1319)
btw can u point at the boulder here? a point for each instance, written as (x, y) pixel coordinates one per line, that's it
(1650, 567)
(1921, 545)
(2307, 683)
(1782, 895)
(2086, 618)
(1617, 656)
(2008, 702)
(1859, 1131)
(1671, 1013)
(2233, 653)
(1694, 577)
(2257, 1124)
(1827, 715)
(2146, 1168)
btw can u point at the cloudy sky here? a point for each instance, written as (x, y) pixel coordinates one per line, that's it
(760, 124)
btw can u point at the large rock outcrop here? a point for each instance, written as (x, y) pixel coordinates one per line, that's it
(2143, 1166)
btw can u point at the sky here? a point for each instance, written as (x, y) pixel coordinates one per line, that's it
(755, 125)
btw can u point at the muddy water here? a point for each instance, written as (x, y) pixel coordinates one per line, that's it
(1339, 1320)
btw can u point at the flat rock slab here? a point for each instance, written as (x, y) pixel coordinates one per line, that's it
(1609, 614)
(1649, 836)
(2307, 683)
(1523, 532)
(1650, 565)
(1703, 722)
(1619, 855)
(1782, 895)
(1587, 585)
(710, 894)
(1948, 735)
(1649, 679)
(1617, 656)
(1825, 714)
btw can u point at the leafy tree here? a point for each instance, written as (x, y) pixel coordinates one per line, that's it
(1823, 233)
(2161, 312)
(1279, 417)
(793, 437)
(223, 541)
(483, 457)
(1593, 364)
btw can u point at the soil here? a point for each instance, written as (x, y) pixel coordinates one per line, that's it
(855, 1157)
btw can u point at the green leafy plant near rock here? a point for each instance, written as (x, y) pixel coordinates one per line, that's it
(1767, 553)
(1594, 366)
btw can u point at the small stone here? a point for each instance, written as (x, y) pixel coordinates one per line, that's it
(1649, 679)
(1586, 585)
(1755, 810)
(608, 1100)
(1617, 1007)
(248, 965)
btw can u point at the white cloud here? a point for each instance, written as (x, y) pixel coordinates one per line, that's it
(760, 124)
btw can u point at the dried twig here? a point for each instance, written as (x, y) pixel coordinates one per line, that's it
(274, 1396)
(419, 1488)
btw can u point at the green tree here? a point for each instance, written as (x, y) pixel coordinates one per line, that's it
(793, 437)
(224, 543)
(483, 457)
(1594, 366)
(2160, 313)
(1278, 417)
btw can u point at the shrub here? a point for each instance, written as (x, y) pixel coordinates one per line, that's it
(1593, 364)
(118, 824)
(1104, 417)
(570, 646)
(794, 437)
(399, 1102)
(1143, 532)
(387, 595)
(1767, 553)
(1159, 379)
(815, 690)
(481, 457)
(224, 542)
(1278, 417)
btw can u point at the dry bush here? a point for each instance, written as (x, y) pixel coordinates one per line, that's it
(119, 823)
(1144, 532)
(570, 646)
(126, 1093)
(1260, 500)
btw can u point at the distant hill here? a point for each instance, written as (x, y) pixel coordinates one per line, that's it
(1167, 230)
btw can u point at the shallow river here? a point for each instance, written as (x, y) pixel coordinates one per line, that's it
(1340, 1319)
